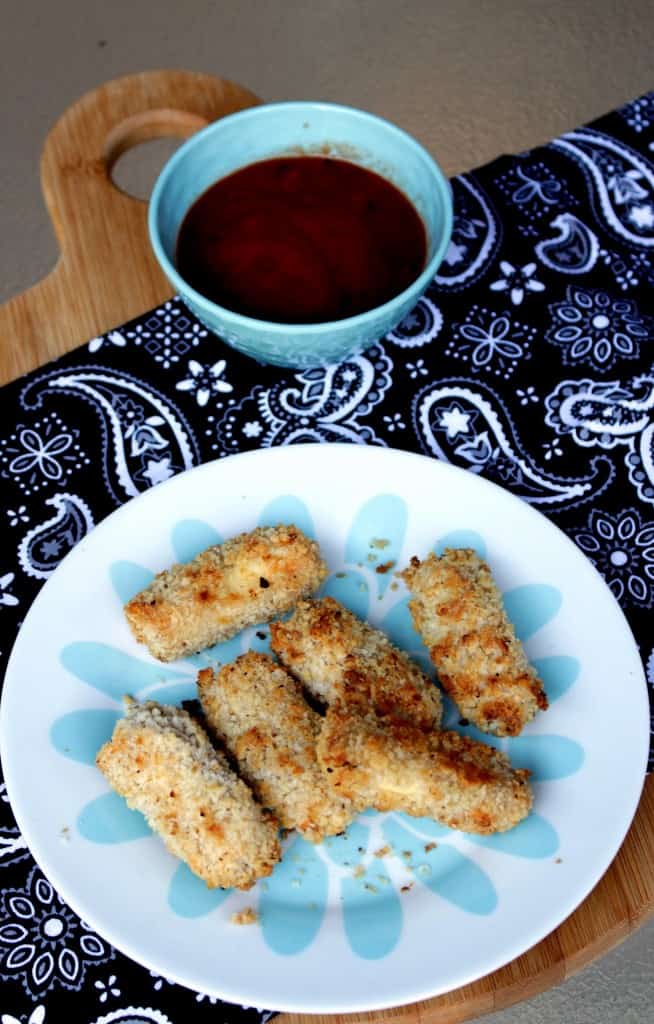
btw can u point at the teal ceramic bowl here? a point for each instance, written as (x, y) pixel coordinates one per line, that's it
(274, 130)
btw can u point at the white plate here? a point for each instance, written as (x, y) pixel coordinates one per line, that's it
(328, 940)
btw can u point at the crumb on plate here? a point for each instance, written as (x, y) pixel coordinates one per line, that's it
(246, 916)
(385, 567)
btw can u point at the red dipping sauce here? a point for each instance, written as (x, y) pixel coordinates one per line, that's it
(301, 240)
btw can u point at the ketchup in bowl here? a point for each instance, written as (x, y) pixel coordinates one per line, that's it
(301, 240)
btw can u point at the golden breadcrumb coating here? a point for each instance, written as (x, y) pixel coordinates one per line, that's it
(257, 709)
(163, 764)
(393, 766)
(458, 611)
(323, 641)
(246, 580)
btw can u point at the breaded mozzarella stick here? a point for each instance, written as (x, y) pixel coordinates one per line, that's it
(246, 580)
(323, 641)
(257, 709)
(458, 611)
(163, 764)
(393, 766)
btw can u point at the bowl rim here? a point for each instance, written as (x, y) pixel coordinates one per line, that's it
(207, 306)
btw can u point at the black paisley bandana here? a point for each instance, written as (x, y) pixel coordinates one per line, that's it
(530, 360)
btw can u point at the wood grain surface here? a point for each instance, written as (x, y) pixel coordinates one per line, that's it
(105, 275)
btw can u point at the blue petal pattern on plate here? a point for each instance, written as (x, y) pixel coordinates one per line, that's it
(372, 913)
(546, 757)
(289, 510)
(461, 539)
(112, 671)
(350, 589)
(108, 819)
(128, 579)
(558, 673)
(220, 653)
(531, 607)
(174, 693)
(189, 896)
(398, 625)
(346, 849)
(533, 838)
(293, 901)
(80, 734)
(442, 869)
(385, 514)
(191, 536)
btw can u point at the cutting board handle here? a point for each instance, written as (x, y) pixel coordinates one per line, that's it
(106, 262)
(84, 144)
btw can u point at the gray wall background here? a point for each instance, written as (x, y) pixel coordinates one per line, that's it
(469, 79)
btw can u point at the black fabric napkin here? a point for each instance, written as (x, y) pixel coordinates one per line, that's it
(530, 360)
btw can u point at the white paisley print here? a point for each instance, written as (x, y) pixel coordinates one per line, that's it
(205, 381)
(573, 250)
(325, 404)
(41, 453)
(610, 415)
(490, 342)
(37, 1016)
(517, 281)
(621, 183)
(7, 598)
(590, 326)
(465, 422)
(167, 334)
(421, 326)
(42, 943)
(145, 438)
(621, 546)
(639, 113)
(476, 236)
(535, 192)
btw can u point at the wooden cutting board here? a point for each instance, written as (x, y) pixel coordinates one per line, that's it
(105, 275)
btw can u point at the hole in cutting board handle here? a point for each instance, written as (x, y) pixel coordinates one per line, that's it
(137, 148)
(136, 170)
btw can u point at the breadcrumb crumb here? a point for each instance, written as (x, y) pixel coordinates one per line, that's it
(385, 567)
(246, 916)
